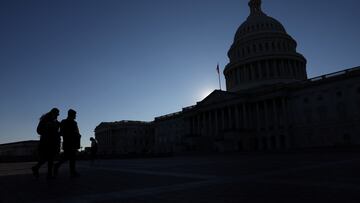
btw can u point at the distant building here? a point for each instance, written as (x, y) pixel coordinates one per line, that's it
(19, 149)
(124, 137)
(270, 104)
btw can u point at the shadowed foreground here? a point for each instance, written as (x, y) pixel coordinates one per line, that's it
(292, 177)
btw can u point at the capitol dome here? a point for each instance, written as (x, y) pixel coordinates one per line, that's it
(262, 53)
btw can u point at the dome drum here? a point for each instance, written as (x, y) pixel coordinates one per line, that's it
(266, 71)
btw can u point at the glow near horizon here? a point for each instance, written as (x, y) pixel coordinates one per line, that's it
(111, 63)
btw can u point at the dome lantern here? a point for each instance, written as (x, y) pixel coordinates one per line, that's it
(255, 7)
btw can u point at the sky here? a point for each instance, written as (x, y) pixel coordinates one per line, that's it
(113, 60)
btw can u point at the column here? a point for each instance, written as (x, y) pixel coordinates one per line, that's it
(267, 68)
(237, 119)
(286, 122)
(276, 117)
(222, 118)
(266, 115)
(216, 122)
(209, 124)
(242, 74)
(258, 121)
(198, 132)
(244, 115)
(230, 117)
(249, 75)
(281, 64)
(203, 126)
(237, 76)
(252, 68)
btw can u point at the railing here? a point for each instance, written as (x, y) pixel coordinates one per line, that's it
(330, 75)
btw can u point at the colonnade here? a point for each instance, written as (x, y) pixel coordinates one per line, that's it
(260, 117)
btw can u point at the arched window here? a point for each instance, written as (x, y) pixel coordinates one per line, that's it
(271, 68)
(256, 68)
(263, 69)
(273, 46)
(249, 72)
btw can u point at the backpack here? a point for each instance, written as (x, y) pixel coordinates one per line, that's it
(41, 128)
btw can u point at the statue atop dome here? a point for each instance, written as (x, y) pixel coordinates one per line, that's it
(255, 7)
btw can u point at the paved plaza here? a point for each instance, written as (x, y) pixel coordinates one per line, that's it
(244, 177)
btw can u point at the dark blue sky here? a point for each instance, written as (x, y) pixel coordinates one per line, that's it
(134, 60)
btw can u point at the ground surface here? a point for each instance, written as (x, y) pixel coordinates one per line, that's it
(261, 177)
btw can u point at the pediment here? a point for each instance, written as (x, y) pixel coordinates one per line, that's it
(217, 96)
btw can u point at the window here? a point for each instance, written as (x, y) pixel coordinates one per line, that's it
(322, 112)
(347, 139)
(308, 115)
(257, 75)
(260, 47)
(271, 68)
(339, 94)
(341, 111)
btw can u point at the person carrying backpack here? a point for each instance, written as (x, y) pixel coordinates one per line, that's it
(49, 145)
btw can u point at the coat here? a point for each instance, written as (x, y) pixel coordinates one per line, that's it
(70, 132)
(49, 145)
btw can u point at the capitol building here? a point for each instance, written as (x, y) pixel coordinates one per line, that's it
(269, 103)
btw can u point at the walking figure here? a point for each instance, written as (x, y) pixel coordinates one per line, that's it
(49, 146)
(71, 143)
(93, 149)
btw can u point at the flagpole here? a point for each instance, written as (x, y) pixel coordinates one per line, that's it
(218, 70)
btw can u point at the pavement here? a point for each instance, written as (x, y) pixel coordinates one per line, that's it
(229, 178)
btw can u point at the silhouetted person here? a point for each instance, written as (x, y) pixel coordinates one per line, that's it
(71, 143)
(93, 149)
(49, 146)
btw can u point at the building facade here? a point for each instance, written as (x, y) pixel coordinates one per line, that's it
(170, 133)
(269, 104)
(15, 150)
(124, 137)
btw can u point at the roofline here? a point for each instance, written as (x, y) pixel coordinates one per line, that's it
(19, 142)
